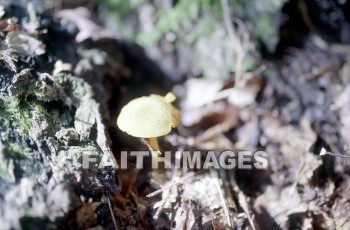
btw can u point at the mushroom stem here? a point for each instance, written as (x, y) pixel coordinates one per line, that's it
(170, 97)
(153, 142)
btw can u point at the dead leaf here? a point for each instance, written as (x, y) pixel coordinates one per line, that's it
(88, 29)
(24, 44)
(86, 216)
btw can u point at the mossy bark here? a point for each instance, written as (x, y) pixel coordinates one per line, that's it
(53, 109)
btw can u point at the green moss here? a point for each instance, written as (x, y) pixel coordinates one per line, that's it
(9, 150)
(123, 7)
(3, 173)
(13, 113)
(168, 20)
(30, 118)
(13, 150)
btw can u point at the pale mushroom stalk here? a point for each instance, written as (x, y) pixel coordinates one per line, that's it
(149, 117)
(153, 142)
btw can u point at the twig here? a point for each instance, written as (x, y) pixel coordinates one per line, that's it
(111, 210)
(344, 222)
(329, 142)
(301, 166)
(169, 186)
(224, 204)
(232, 33)
(243, 203)
(160, 208)
(245, 207)
(324, 152)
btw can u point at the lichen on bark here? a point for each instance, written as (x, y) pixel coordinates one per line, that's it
(49, 117)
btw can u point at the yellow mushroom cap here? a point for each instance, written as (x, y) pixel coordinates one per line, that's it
(147, 117)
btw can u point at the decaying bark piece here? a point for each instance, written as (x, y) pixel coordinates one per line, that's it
(49, 118)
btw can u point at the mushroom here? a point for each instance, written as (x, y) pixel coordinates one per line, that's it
(149, 117)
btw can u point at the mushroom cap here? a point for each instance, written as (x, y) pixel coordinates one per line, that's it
(148, 117)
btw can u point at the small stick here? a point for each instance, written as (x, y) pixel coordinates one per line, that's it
(111, 210)
(169, 186)
(215, 176)
(163, 201)
(301, 166)
(233, 35)
(324, 152)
